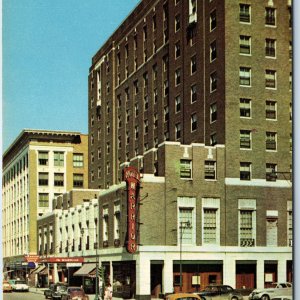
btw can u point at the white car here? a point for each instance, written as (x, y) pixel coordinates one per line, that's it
(19, 285)
(277, 289)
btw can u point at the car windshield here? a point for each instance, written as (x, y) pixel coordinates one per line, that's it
(61, 288)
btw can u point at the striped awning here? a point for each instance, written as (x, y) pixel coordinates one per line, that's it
(38, 269)
(85, 270)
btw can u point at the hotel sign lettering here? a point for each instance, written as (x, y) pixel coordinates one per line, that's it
(132, 178)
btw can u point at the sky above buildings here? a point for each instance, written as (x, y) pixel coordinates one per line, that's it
(47, 50)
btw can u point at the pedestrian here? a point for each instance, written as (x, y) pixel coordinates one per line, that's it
(108, 292)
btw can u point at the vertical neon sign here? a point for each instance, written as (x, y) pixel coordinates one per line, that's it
(132, 178)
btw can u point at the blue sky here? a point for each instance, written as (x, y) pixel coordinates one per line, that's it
(47, 50)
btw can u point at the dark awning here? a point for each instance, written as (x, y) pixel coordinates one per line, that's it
(85, 270)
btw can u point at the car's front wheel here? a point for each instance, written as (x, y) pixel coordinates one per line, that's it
(265, 297)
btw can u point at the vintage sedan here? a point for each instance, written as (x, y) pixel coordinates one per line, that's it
(7, 288)
(277, 289)
(74, 292)
(183, 296)
(219, 292)
(19, 285)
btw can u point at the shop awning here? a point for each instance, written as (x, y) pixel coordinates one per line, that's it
(44, 271)
(38, 269)
(85, 270)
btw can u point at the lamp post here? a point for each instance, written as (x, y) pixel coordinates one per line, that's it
(97, 261)
(183, 225)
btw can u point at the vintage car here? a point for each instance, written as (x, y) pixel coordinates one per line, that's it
(74, 292)
(55, 290)
(182, 296)
(277, 289)
(7, 288)
(215, 291)
(19, 285)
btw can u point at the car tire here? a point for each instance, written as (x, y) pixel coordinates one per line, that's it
(265, 297)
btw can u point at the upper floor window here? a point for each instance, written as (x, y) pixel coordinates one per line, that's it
(193, 64)
(245, 13)
(213, 20)
(177, 23)
(245, 44)
(209, 225)
(177, 103)
(270, 79)
(43, 179)
(213, 112)
(246, 228)
(194, 123)
(213, 51)
(185, 218)
(78, 180)
(270, 16)
(245, 139)
(177, 49)
(59, 159)
(177, 76)
(271, 109)
(193, 93)
(270, 47)
(78, 160)
(245, 171)
(245, 76)
(58, 179)
(213, 139)
(43, 200)
(213, 81)
(271, 172)
(245, 108)
(210, 169)
(177, 131)
(185, 168)
(271, 140)
(43, 158)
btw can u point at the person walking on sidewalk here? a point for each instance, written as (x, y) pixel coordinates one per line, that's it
(108, 292)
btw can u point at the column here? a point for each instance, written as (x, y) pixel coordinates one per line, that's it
(260, 274)
(143, 279)
(281, 270)
(167, 287)
(55, 273)
(229, 270)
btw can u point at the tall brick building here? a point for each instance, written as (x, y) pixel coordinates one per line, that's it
(197, 96)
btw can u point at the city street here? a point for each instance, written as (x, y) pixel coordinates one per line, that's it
(23, 296)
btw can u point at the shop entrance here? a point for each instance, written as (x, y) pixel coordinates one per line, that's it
(156, 279)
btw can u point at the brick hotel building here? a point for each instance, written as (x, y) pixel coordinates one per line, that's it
(197, 96)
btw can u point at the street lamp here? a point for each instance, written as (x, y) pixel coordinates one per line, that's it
(97, 261)
(183, 225)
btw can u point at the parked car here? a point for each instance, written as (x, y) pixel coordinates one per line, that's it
(55, 290)
(277, 289)
(19, 285)
(215, 291)
(182, 296)
(74, 292)
(7, 288)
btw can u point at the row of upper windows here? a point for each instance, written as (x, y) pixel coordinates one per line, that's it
(43, 179)
(59, 159)
(16, 169)
(210, 170)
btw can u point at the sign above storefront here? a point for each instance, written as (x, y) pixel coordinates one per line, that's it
(62, 260)
(132, 178)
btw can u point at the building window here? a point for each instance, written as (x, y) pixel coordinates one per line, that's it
(209, 225)
(166, 113)
(245, 171)
(146, 102)
(271, 226)
(177, 103)
(213, 112)
(270, 79)
(108, 167)
(155, 95)
(245, 44)
(290, 228)
(177, 23)
(146, 123)
(117, 222)
(166, 88)
(43, 158)
(290, 81)
(245, 76)
(270, 47)
(193, 93)
(290, 50)
(136, 109)
(154, 72)
(136, 132)
(177, 131)
(193, 64)
(213, 81)
(107, 148)
(245, 13)
(246, 228)
(185, 168)
(177, 49)
(271, 172)
(165, 63)
(213, 20)
(271, 110)
(245, 139)
(194, 123)
(136, 87)
(245, 108)
(43, 200)
(43, 179)
(210, 170)
(155, 120)
(213, 51)
(271, 140)
(59, 159)
(58, 179)
(78, 180)
(105, 227)
(270, 16)
(177, 76)
(185, 225)
(213, 139)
